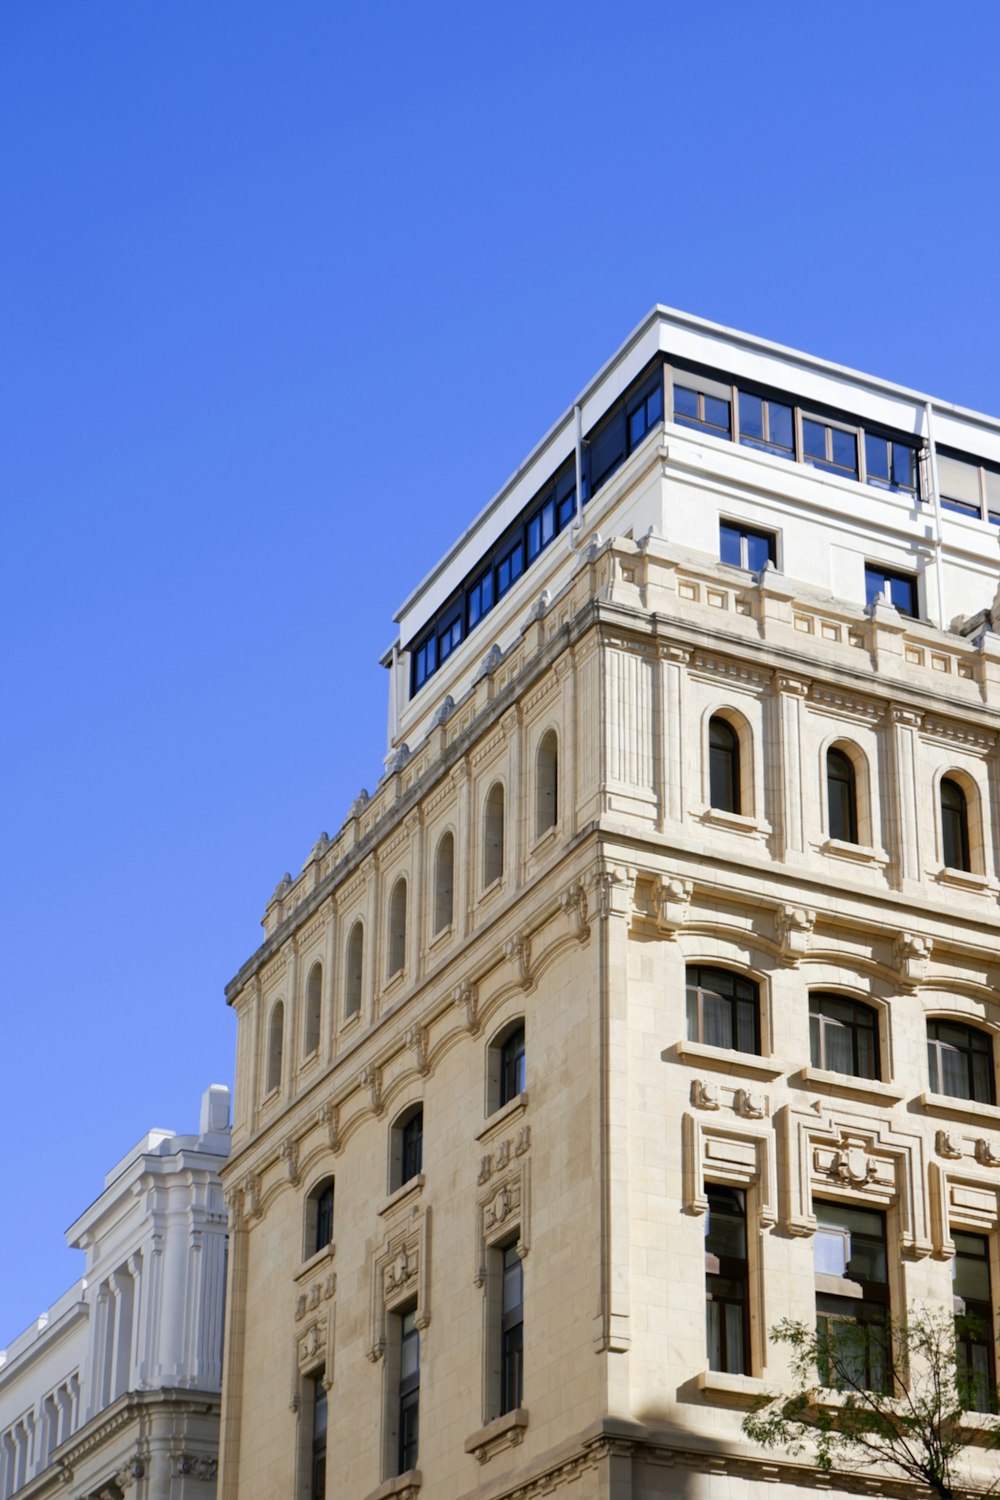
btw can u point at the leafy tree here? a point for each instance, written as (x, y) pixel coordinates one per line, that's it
(910, 1426)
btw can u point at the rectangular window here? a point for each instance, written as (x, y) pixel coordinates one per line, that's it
(449, 636)
(317, 1467)
(510, 567)
(958, 485)
(833, 449)
(606, 450)
(767, 425)
(852, 1297)
(722, 1009)
(408, 1427)
(744, 547)
(645, 413)
(898, 589)
(480, 598)
(693, 408)
(727, 1281)
(843, 1035)
(541, 529)
(890, 464)
(511, 1332)
(974, 1328)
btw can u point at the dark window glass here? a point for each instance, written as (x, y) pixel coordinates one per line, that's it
(844, 449)
(813, 439)
(726, 1281)
(843, 1035)
(645, 414)
(324, 1218)
(317, 1489)
(541, 529)
(412, 1147)
(509, 568)
(512, 1332)
(829, 448)
(606, 450)
(409, 1392)
(974, 1332)
(480, 598)
(512, 1066)
(722, 1009)
(685, 403)
(961, 1061)
(448, 638)
(745, 547)
(842, 801)
(898, 589)
(850, 1259)
(693, 409)
(767, 425)
(723, 766)
(890, 464)
(954, 825)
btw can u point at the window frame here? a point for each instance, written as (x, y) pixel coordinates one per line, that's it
(876, 571)
(732, 1269)
(318, 1217)
(855, 1291)
(406, 1147)
(502, 1070)
(949, 828)
(851, 795)
(936, 1047)
(976, 1310)
(816, 998)
(511, 1330)
(732, 800)
(744, 534)
(700, 989)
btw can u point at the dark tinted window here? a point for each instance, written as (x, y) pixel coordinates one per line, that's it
(843, 1035)
(722, 1009)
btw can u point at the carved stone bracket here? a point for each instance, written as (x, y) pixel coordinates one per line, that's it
(329, 1119)
(518, 949)
(794, 925)
(234, 1204)
(948, 1143)
(614, 890)
(320, 1291)
(288, 1151)
(911, 953)
(370, 1078)
(574, 902)
(672, 903)
(466, 995)
(748, 1103)
(416, 1038)
(986, 1153)
(250, 1188)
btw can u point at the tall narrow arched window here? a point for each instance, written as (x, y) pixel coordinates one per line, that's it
(493, 831)
(444, 883)
(723, 766)
(547, 784)
(354, 967)
(954, 825)
(841, 796)
(314, 1006)
(319, 1218)
(397, 928)
(275, 1046)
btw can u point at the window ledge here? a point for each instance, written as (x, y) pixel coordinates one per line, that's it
(828, 1082)
(403, 1487)
(967, 1110)
(726, 1059)
(859, 854)
(735, 822)
(962, 880)
(978, 1426)
(351, 1020)
(490, 890)
(315, 1261)
(503, 1115)
(506, 1432)
(394, 980)
(442, 935)
(741, 1390)
(409, 1189)
(548, 837)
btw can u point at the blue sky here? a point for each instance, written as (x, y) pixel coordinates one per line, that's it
(287, 289)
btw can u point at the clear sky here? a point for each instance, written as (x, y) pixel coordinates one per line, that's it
(287, 290)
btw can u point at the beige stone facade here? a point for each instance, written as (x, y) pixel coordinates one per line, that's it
(592, 900)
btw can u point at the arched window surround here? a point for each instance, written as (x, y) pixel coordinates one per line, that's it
(494, 834)
(396, 928)
(317, 1217)
(848, 1044)
(506, 1077)
(547, 799)
(313, 1010)
(354, 969)
(274, 1066)
(831, 979)
(962, 1022)
(976, 863)
(443, 904)
(406, 1146)
(749, 964)
(748, 785)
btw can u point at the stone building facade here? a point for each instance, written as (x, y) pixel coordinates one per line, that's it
(114, 1391)
(652, 996)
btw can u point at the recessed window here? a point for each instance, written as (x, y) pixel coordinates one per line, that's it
(480, 598)
(354, 970)
(317, 1419)
(493, 835)
(275, 1047)
(843, 1035)
(767, 424)
(954, 825)
(510, 567)
(833, 449)
(314, 1009)
(960, 1059)
(511, 1330)
(444, 883)
(975, 1338)
(745, 547)
(408, 1424)
(852, 1297)
(406, 1140)
(397, 929)
(890, 464)
(541, 528)
(319, 1218)
(698, 409)
(644, 414)
(547, 783)
(723, 766)
(505, 1066)
(726, 1280)
(842, 796)
(897, 589)
(722, 1009)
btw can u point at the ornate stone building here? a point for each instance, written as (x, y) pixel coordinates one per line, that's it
(114, 1392)
(652, 996)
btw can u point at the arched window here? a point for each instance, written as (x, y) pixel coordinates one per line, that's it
(841, 796)
(961, 1061)
(954, 825)
(397, 928)
(406, 1146)
(505, 1066)
(319, 1218)
(547, 784)
(444, 883)
(493, 835)
(723, 766)
(843, 1035)
(275, 1047)
(722, 1009)
(354, 970)
(314, 1006)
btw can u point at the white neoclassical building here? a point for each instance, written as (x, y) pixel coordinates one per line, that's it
(115, 1390)
(653, 995)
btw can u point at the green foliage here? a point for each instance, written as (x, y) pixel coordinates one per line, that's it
(913, 1428)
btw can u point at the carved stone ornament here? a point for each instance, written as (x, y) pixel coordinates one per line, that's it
(614, 889)
(794, 925)
(948, 1143)
(852, 1165)
(416, 1039)
(705, 1094)
(505, 1204)
(329, 1119)
(320, 847)
(518, 948)
(503, 1153)
(251, 1194)
(398, 759)
(574, 902)
(986, 1153)
(289, 1154)
(542, 605)
(320, 1291)
(489, 663)
(359, 804)
(911, 959)
(467, 995)
(370, 1078)
(672, 903)
(198, 1467)
(750, 1103)
(129, 1473)
(443, 712)
(400, 1270)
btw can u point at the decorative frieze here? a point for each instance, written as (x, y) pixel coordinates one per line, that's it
(503, 1153)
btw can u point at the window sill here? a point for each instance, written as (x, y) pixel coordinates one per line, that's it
(403, 1487)
(858, 854)
(978, 1426)
(270, 1097)
(824, 1081)
(502, 1116)
(966, 1110)
(548, 837)
(739, 1390)
(726, 1060)
(351, 1020)
(315, 1262)
(506, 1432)
(409, 1189)
(441, 936)
(490, 890)
(394, 981)
(734, 822)
(962, 880)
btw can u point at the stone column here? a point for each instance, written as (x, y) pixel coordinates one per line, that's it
(331, 985)
(669, 734)
(904, 796)
(783, 777)
(514, 813)
(416, 896)
(465, 860)
(232, 1359)
(294, 1019)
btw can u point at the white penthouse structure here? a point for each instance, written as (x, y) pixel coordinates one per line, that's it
(652, 996)
(115, 1390)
